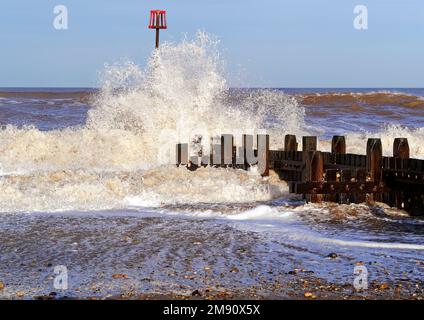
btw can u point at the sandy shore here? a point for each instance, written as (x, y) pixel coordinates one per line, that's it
(161, 258)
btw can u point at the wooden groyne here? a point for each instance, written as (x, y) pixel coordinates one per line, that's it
(334, 176)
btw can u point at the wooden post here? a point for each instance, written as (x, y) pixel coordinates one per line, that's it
(290, 143)
(374, 163)
(401, 148)
(338, 145)
(290, 148)
(315, 162)
(263, 154)
(400, 153)
(308, 144)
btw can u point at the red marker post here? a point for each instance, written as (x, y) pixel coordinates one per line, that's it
(157, 21)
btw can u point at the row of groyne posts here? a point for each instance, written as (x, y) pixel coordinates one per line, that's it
(334, 176)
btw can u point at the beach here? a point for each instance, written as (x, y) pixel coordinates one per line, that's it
(148, 256)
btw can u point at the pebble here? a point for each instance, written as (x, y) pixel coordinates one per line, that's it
(196, 293)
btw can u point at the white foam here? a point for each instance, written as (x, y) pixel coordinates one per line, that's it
(262, 212)
(356, 142)
(136, 120)
(371, 244)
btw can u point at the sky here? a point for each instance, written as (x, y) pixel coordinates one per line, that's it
(265, 43)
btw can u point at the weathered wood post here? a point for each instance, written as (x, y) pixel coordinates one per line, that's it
(290, 150)
(401, 148)
(338, 145)
(317, 173)
(374, 164)
(308, 144)
(182, 154)
(263, 154)
(400, 153)
(290, 143)
(313, 165)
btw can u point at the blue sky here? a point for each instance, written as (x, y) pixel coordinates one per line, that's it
(266, 43)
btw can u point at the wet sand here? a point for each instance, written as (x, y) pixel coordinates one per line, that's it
(161, 258)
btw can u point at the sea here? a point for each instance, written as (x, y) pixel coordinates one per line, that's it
(87, 182)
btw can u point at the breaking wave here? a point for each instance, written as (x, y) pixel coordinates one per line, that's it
(124, 150)
(376, 98)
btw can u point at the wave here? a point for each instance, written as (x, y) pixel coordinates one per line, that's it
(356, 100)
(121, 157)
(125, 148)
(85, 190)
(83, 96)
(356, 142)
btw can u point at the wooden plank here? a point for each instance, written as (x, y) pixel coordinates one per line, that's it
(361, 176)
